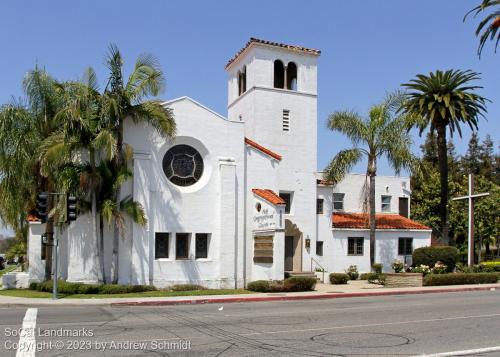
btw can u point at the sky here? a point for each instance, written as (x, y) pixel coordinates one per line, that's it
(368, 48)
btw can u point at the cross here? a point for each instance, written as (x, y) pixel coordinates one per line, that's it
(470, 197)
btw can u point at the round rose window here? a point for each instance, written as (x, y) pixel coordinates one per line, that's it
(183, 165)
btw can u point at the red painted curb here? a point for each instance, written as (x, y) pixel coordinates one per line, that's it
(293, 297)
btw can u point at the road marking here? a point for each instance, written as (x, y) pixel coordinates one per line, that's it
(464, 352)
(371, 325)
(26, 347)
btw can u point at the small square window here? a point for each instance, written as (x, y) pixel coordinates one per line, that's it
(182, 246)
(405, 246)
(386, 203)
(319, 248)
(161, 245)
(287, 196)
(319, 206)
(355, 246)
(202, 241)
(338, 201)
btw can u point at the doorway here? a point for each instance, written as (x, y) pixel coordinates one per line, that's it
(289, 253)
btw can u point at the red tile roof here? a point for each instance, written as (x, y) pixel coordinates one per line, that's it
(383, 221)
(262, 149)
(269, 195)
(276, 44)
(324, 182)
(33, 218)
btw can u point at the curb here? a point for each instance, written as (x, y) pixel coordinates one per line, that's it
(294, 297)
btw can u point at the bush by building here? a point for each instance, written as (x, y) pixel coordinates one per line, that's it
(377, 268)
(352, 272)
(291, 284)
(460, 279)
(431, 255)
(64, 287)
(339, 278)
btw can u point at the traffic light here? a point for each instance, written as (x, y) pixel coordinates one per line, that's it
(41, 206)
(71, 208)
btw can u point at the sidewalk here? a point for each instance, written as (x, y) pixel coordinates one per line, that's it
(323, 291)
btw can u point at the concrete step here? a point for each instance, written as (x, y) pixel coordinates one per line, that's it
(310, 274)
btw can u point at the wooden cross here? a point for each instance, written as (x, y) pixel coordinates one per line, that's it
(470, 197)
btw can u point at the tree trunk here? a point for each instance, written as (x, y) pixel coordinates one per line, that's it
(443, 178)
(95, 236)
(49, 231)
(371, 203)
(101, 248)
(116, 238)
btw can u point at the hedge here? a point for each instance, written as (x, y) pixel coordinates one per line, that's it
(431, 255)
(339, 278)
(299, 283)
(292, 284)
(493, 266)
(460, 279)
(64, 287)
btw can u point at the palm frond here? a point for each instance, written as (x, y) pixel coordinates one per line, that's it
(134, 211)
(156, 114)
(349, 123)
(341, 164)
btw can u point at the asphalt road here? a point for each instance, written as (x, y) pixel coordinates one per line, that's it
(371, 326)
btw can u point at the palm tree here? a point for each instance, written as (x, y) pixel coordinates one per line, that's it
(123, 100)
(80, 135)
(439, 101)
(23, 127)
(489, 25)
(382, 134)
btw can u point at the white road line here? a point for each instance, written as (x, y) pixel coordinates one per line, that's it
(27, 343)
(464, 352)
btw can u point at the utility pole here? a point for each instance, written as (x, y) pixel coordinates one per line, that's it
(470, 233)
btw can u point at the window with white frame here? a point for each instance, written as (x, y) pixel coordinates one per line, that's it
(405, 246)
(338, 201)
(355, 246)
(161, 245)
(287, 197)
(202, 243)
(182, 246)
(386, 203)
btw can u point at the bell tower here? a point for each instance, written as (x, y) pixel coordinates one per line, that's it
(272, 88)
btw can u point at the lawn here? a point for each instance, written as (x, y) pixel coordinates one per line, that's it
(26, 293)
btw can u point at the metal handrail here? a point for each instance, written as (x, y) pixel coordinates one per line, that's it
(317, 263)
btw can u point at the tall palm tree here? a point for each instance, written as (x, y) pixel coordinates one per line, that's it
(489, 25)
(23, 127)
(439, 101)
(81, 142)
(122, 100)
(382, 134)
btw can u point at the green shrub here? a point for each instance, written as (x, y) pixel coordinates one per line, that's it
(460, 279)
(377, 268)
(431, 255)
(299, 283)
(339, 278)
(261, 286)
(364, 276)
(187, 287)
(376, 278)
(398, 266)
(68, 288)
(352, 272)
(494, 266)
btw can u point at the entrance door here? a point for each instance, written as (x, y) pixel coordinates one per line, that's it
(403, 206)
(289, 253)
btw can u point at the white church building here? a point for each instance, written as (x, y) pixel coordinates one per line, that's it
(236, 199)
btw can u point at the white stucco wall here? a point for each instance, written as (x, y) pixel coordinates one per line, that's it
(200, 208)
(352, 186)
